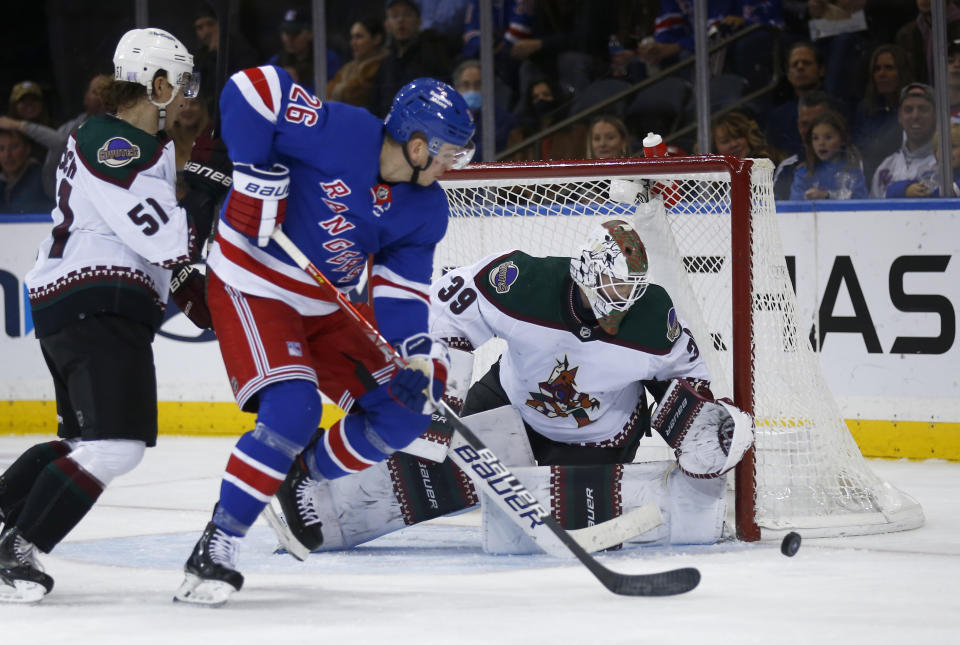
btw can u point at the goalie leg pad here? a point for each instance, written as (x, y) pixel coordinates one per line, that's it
(404, 490)
(398, 492)
(692, 510)
(708, 437)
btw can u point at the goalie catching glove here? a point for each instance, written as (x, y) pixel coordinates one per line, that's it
(708, 437)
(258, 202)
(421, 385)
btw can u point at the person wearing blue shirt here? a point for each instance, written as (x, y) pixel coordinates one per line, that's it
(347, 187)
(832, 169)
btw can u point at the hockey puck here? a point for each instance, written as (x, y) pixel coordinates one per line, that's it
(790, 544)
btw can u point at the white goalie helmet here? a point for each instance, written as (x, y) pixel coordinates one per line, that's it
(142, 52)
(611, 269)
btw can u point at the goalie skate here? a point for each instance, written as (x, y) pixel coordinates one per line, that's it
(22, 580)
(293, 513)
(211, 576)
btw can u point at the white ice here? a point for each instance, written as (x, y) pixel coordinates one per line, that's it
(116, 574)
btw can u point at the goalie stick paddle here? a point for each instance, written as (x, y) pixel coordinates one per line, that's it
(493, 478)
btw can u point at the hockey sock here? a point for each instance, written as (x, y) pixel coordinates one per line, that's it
(349, 446)
(61, 496)
(16, 482)
(289, 414)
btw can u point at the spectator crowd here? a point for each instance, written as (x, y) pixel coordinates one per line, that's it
(850, 115)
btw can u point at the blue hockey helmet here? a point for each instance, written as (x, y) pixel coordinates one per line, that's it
(438, 111)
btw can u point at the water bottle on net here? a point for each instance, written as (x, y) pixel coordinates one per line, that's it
(654, 146)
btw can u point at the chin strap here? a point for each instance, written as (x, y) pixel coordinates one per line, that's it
(162, 107)
(416, 170)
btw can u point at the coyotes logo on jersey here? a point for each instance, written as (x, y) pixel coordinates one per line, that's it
(558, 395)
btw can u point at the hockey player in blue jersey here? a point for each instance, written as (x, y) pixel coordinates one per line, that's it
(345, 186)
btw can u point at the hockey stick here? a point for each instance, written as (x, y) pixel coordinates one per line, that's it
(491, 476)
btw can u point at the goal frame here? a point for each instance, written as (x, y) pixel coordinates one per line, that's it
(739, 172)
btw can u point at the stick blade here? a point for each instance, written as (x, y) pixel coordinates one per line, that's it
(665, 583)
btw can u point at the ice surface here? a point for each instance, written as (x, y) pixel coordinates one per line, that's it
(116, 574)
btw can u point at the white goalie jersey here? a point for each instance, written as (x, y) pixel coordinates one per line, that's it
(570, 381)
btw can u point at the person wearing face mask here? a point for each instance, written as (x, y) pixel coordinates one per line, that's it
(545, 103)
(468, 80)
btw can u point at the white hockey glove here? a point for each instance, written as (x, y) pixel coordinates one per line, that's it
(258, 202)
(431, 358)
(708, 437)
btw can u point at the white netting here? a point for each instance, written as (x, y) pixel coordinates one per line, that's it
(810, 474)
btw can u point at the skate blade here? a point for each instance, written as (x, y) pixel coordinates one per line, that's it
(206, 593)
(21, 591)
(286, 538)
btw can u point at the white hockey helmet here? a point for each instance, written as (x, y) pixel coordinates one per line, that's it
(611, 268)
(142, 52)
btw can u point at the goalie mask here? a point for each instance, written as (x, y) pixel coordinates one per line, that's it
(611, 269)
(141, 53)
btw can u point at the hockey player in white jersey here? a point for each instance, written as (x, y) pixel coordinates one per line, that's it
(565, 406)
(97, 294)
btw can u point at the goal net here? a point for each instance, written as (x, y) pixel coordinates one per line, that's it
(710, 229)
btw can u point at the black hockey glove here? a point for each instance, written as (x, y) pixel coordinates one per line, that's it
(188, 288)
(208, 174)
(209, 168)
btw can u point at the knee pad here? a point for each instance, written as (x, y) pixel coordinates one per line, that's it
(105, 459)
(291, 409)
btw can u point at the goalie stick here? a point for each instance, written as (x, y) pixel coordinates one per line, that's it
(591, 538)
(492, 477)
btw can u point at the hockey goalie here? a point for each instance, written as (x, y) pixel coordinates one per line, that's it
(589, 340)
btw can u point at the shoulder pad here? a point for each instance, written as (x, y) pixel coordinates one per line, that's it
(115, 151)
(652, 322)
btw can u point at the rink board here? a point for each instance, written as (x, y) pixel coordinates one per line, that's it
(868, 282)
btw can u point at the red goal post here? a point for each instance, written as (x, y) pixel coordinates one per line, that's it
(710, 228)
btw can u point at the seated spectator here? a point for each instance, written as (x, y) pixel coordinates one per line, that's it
(447, 18)
(564, 40)
(748, 57)
(468, 80)
(916, 38)
(354, 81)
(27, 104)
(812, 105)
(296, 34)
(545, 103)
(736, 134)
(832, 166)
(21, 185)
(54, 141)
(608, 138)
(751, 56)
(876, 132)
(191, 120)
(930, 179)
(511, 20)
(915, 157)
(805, 70)
(242, 55)
(412, 53)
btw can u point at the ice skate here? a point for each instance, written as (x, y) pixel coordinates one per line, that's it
(211, 574)
(21, 577)
(297, 520)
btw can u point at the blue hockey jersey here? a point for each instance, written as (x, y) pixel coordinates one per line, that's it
(339, 211)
